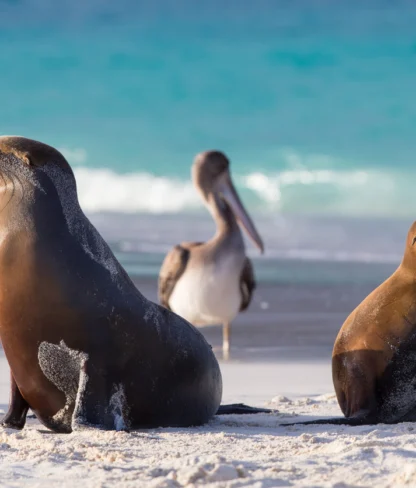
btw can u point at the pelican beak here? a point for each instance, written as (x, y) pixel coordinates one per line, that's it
(226, 188)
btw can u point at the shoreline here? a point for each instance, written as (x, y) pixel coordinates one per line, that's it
(293, 322)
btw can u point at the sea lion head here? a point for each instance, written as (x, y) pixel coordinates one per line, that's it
(29, 167)
(31, 153)
(37, 187)
(411, 239)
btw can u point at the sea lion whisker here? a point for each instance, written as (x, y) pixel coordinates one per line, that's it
(3, 179)
(22, 187)
(10, 180)
(408, 321)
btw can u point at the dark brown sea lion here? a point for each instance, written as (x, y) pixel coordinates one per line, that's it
(84, 346)
(374, 357)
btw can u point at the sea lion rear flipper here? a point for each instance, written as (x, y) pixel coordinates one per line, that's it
(352, 421)
(240, 409)
(409, 416)
(15, 418)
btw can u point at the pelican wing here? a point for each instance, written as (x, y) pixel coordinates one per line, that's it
(247, 284)
(172, 269)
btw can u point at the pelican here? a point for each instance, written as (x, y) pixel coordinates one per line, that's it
(209, 283)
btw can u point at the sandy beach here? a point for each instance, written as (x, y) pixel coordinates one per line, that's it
(313, 105)
(231, 451)
(278, 360)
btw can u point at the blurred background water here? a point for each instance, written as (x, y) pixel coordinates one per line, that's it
(313, 101)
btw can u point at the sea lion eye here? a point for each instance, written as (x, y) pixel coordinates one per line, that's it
(414, 240)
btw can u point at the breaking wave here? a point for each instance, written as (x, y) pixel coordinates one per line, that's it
(350, 193)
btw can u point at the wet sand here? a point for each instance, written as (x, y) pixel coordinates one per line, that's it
(284, 322)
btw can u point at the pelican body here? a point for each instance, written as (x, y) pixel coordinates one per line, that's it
(209, 283)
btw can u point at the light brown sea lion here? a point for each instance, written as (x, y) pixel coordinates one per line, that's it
(84, 346)
(374, 356)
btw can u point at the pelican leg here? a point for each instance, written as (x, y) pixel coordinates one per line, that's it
(226, 332)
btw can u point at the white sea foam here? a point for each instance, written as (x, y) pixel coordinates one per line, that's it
(323, 191)
(310, 183)
(106, 190)
(354, 193)
(75, 155)
(271, 188)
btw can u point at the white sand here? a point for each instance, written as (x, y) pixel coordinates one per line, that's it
(231, 451)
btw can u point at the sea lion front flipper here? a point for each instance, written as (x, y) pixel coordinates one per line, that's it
(96, 405)
(63, 367)
(15, 418)
(89, 400)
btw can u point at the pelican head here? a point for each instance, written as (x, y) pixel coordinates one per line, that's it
(211, 176)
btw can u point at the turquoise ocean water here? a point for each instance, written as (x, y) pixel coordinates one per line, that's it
(314, 102)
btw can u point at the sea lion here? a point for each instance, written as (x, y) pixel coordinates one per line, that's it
(83, 344)
(374, 356)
